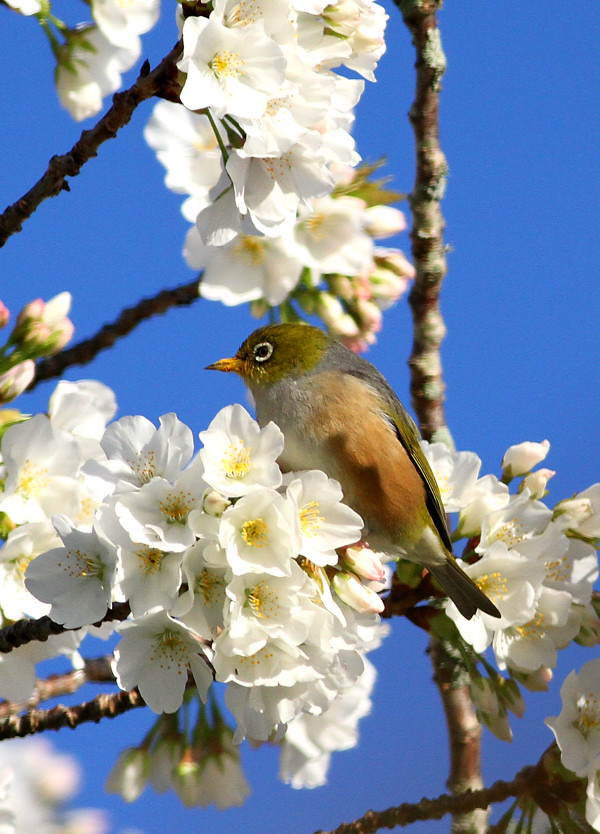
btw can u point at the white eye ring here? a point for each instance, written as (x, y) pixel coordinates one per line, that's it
(263, 351)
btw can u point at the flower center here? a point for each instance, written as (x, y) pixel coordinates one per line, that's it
(511, 532)
(493, 584)
(261, 599)
(535, 629)
(144, 466)
(251, 249)
(227, 64)
(255, 532)
(176, 507)
(311, 519)
(236, 460)
(32, 479)
(589, 714)
(208, 584)
(150, 560)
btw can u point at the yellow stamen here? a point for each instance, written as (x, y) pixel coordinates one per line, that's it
(255, 532)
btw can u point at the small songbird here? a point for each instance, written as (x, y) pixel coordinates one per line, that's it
(338, 413)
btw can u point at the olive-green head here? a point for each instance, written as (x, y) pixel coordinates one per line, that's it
(276, 352)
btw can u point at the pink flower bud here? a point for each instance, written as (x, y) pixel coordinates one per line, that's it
(14, 381)
(364, 562)
(350, 590)
(60, 336)
(4, 315)
(30, 312)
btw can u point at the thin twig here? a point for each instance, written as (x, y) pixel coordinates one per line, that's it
(128, 320)
(96, 670)
(40, 720)
(27, 631)
(427, 384)
(429, 809)
(160, 80)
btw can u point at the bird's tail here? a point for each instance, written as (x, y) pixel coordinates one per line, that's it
(461, 589)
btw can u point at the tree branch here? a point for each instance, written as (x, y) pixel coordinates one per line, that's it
(427, 384)
(39, 720)
(26, 631)
(430, 809)
(96, 669)
(128, 320)
(148, 84)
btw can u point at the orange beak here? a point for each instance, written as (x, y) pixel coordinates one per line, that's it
(230, 365)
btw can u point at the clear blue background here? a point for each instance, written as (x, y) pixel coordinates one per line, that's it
(521, 131)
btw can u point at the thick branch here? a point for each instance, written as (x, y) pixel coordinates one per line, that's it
(39, 720)
(430, 809)
(127, 321)
(160, 80)
(464, 732)
(26, 631)
(427, 384)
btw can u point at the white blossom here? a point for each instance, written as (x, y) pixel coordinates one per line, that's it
(154, 653)
(93, 73)
(229, 70)
(260, 534)
(42, 465)
(325, 522)
(121, 21)
(238, 455)
(577, 728)
(77, 579)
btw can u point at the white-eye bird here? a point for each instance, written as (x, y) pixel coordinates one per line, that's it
(338, 413)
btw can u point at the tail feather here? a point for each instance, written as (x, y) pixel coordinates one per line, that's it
(461, 589)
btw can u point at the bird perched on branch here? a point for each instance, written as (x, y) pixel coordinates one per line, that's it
(338, 413)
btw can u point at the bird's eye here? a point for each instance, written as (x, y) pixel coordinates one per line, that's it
(263, 351)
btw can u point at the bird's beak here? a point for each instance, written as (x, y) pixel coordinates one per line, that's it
(229, 365)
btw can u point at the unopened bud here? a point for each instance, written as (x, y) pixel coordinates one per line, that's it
(4, 315)
(14, 381)
(522, 457)
(395, 261)
(32, 311)
(214, 503)
(364, 562)
(350, 590)
(384, 221)
(334, 316)
(536, 482)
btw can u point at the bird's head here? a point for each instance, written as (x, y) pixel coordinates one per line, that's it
(276, 352)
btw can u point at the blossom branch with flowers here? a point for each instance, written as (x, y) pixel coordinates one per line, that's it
(211, 570)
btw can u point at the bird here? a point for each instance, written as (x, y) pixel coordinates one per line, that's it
(339, 414)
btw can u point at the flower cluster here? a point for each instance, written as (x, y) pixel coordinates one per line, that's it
(230, 570)
(538, 565)
(263, 74)
(91, 56)
(262, 148)
(41, 329)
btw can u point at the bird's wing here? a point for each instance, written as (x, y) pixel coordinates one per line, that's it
(395, 414)
(408, 434)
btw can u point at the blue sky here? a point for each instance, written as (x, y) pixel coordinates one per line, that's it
(521, 131)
